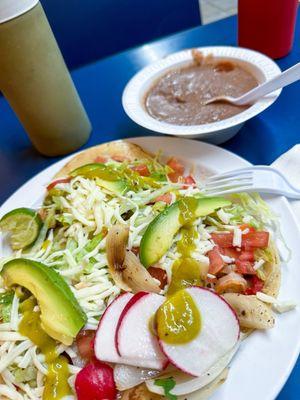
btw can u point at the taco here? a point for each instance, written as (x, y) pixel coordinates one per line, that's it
(120, 283)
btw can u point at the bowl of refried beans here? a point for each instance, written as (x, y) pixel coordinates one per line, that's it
(169, 96)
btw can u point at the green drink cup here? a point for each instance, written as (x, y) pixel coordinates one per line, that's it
(36, 82)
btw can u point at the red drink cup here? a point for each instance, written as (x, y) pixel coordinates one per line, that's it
(267, 25)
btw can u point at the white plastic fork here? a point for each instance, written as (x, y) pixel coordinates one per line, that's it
(259, 178)
(287, 77)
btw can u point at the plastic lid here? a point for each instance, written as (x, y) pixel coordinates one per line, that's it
(10, 9)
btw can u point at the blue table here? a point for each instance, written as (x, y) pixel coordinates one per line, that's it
(101, 84)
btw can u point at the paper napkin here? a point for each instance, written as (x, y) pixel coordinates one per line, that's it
(289, 164)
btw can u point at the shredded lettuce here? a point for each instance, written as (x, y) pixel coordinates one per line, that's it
(214, 222)
(6, 300)
(25, 375)
(159, 206)
(89, 247)
(93, 243)
(266, 254)
(71, 244)
(245, 205)
(65, 219)
(261, 274)
(88, 268)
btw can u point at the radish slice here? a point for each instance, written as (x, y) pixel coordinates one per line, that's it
(218, 335)
(134, 340)
(105, 349)
(127, 376)
(186, 384)
(95, 381)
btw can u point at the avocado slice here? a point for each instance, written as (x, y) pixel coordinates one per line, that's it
(118, 187)
(105, 177)
(159, 234)
(61, 315)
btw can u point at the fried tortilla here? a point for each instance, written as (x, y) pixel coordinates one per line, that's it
(118, 149)
(252, 313)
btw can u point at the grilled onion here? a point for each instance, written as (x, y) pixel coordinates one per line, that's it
(136, 276)
(125, 268)
(116, 242)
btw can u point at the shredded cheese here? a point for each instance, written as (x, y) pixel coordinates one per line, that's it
(258, 264)
(224, 216)
(277, 305)
(265, 298)
(284, 306)
(237, 237)
(211, 276)
(227, 259)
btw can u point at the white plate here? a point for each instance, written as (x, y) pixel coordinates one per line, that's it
(261, 66)
(265, 359)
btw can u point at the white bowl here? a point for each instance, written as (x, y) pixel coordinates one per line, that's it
(261, 66)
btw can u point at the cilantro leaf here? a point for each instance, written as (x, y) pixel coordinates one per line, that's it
(167, 384)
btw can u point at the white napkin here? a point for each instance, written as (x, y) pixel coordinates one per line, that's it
(289, 164)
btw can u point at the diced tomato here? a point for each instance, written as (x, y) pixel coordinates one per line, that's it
(101, 159)
(244, 267)
(256, 285)
(249, 241)
(160, 275)
(211, 279)
(223, 240)
(96, 382)
(216, 262)
(166, 198)
(141, 169)
(243, 227)
(230, 252)
(174, 177)
(135, 250)
(176, 165)
(247, 255)
(119, 158)
(178, 169)
(57, 181)
(85, 344)
(255, 239)
(189, 180)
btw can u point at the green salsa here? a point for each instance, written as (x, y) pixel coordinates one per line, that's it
(56, 383)
(119, 173)
(178, 319)
(188, 207)
(186, 271)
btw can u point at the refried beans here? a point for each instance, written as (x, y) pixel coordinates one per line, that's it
(179, 96)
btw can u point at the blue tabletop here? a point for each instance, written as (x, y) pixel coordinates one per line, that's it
(100, 85)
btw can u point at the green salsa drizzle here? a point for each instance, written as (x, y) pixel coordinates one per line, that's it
(56, 383)
(187, 207)
(123, 172)
(178, 319)
(186, 271)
